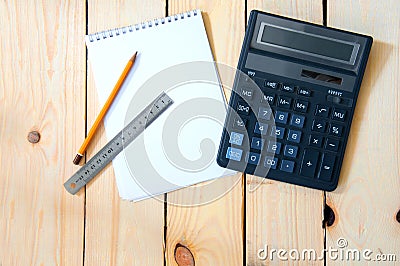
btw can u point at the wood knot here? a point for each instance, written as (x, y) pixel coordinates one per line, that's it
(183, 256)
(33, 137)
(329, 216)
(398, 216)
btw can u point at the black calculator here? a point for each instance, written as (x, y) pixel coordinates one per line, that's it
(293, 101)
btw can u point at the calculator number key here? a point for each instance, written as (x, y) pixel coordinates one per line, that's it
(257, 143)
(281, 117)
(274, 147)
(336, 130)
(294, 136)
(301, 106)
(290, 151)
(253, 158)
(243, 108)
(264, 113)
(234, 154)
(277, 132)
(261, 128)
(297, 120)
(271, 162)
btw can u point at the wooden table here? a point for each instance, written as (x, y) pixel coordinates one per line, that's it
(46, 86)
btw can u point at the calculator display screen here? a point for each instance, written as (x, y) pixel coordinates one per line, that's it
(308, 43)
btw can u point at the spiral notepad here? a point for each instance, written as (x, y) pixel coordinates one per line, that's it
(173, 56)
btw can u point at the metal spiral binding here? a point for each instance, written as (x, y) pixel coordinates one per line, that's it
(148, 24)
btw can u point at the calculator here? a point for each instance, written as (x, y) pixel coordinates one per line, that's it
(293, 100)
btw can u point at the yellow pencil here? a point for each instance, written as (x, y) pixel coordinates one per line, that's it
(104, 110)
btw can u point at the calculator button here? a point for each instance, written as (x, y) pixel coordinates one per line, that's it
(253, 158)
(309, 163)
(336, 130)
(239, 123)
(301, 106)
(271, 162)
(287, 166)
(294, 136)
(264, 113)
(290, 151)
(338, 114)
(274, 147)
(281, 117)
(328, 162)
(246, 93)
(284, 102)
(243, 108)
(236, 138)
(234, 154)
(287, 88)
(315, 141)
(261, 128)
(322, 110)
(318, 125)
(271, 84)
(257, 143)
(277, 132)
(269, 98)
(332, 144)
(304, 92)
(297, 120)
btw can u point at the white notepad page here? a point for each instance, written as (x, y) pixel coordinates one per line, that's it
(147, 167)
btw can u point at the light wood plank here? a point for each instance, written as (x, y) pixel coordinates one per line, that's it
(212, 230)
(367, 199)
(42, 87)
(280, 215)
(119, 232)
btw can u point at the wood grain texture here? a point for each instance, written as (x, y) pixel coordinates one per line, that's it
(213, 229)
(280, 215)
(42, 87)
(367, 199)
(119, 232)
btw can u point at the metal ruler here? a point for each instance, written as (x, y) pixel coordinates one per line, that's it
(116, 145)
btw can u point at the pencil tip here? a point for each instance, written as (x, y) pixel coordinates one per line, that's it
(134, 57)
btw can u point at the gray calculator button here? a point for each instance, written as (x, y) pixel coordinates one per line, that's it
(274, 147)
(271, 162)
(236, 138)
(246, 93)
(243, 108)
(234, 154)
(281, 117)
(261, 128)
(277, 132)
(287, 166)
(240, 123)
(264, 113)
(297, 120)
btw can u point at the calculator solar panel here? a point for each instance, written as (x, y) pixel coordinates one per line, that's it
(293, 101)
